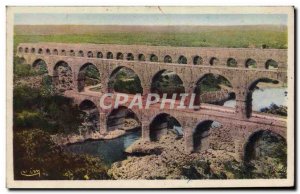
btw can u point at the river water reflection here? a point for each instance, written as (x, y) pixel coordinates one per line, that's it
(264, 98)
(109, 150)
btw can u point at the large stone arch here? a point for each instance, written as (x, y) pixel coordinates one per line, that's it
(203, 77)
(81, 76)
(158, 74)
(38, 62)
(249, 145)
(115, 70)
(62, 76)
(117, 116)
(250, 89)
(168, 120)
(91, 120)
(201, 134)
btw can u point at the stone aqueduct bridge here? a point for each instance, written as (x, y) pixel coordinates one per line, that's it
(147, 61)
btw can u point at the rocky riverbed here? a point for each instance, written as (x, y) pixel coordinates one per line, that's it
(64, 139)
(166, 159)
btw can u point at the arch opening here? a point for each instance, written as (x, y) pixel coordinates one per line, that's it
(153, 58)
(72, 53)
(109, 55)
(182, 60)
(231, 62)
(168, 59)
(266, 152)
(271, 64)
(32, 50)
(214, 89)
(268, 96)
(99, 55)
(26, 50)
(130, 57)
(125, 80)
(62, 77)
(214, 61)
(197, 60)
(89, 78)
(90, 54)
(120, 56)
(40, 66)
(48, 52)
(123, 118)
(141, 57)
(63, 52)
(91, 120)
(55, 52)
(251, 64)
(40, 51)
(167, 82)
(165, 124)
(80, 54)
(20, 49)
(202, 135)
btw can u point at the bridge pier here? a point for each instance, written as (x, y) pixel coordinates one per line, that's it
(146, 130)
(79, 81)
(102, 120)
(188, 139)
(239, 146)
(241, 109)
(146, 91)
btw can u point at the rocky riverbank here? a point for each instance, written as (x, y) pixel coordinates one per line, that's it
(64, 139)
(166, 159)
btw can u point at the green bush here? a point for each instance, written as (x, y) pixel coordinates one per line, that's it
(34, 109)
(34, 150)
(21, 69)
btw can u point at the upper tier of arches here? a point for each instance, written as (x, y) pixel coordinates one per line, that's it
(269, 59)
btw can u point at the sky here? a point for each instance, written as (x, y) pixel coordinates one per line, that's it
(149, 19)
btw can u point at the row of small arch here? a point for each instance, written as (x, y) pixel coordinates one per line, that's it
(197, 60)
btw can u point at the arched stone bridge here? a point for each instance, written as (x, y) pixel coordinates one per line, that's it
(190, 64)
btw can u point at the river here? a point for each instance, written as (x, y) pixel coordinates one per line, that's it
(109, 150)
(262, 98)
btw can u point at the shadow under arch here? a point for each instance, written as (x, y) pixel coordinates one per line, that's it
(250, 63)
(62, 76)
(125, 80)
(264, 143)
(251, 88)
(123, 118)
(271, 64)
(88, 75)
(214, 89)
(40, 66)
(167, 82)
(163, 123)
(201, 134)
(91, 118)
